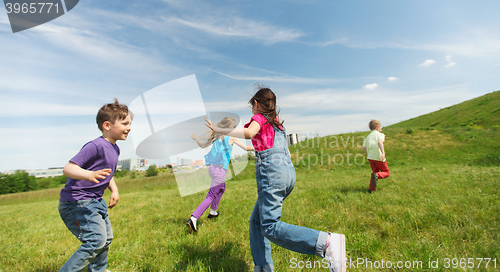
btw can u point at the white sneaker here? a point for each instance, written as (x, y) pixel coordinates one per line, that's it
(191, 222)
(335, 253)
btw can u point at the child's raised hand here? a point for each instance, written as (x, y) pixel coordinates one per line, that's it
(99, 174)
(215, 129)
(210, 126)
(194, 137)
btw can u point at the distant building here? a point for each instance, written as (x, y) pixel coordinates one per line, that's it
(47, 173)
(293, 138)
(198, 163)
(41, 173)
(133, 164)
(183, 162)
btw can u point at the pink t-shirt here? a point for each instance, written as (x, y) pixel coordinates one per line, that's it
(264, 139)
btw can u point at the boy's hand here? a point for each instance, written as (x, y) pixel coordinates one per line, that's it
(382, 156)
(99, 174)
(113, 200)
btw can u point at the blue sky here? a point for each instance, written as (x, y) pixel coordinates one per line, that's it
(333, 65)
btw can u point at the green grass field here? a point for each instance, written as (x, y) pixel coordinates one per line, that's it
(440, 207)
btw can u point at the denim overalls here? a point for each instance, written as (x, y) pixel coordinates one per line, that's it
(275, 181)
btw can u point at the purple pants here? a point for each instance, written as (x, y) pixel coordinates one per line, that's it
(217, 188)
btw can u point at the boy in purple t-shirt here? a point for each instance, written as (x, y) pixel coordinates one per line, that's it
(89, 173)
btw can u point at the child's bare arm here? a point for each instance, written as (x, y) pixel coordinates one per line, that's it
(364, 150)
(74, 171)
(113, 200)
(234, 140)
(382, 151)
(243, 133)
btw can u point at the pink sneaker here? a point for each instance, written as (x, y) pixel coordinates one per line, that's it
(335, 253)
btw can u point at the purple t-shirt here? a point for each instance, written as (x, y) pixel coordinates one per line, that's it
(95, 155)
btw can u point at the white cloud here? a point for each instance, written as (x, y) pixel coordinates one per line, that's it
(343, 41)
(281, 78)
(427, 63)
(310, 126)
(472, 42)
(43, 147)
(371, 86)
(230, 106)
(314, 111)
(240, 27)
(357, 100)
(22, 107)
(58, 57)
(224, 21)
(100, 48)
(221, 21)
(450, 63)
(392, 79)
(52, 146)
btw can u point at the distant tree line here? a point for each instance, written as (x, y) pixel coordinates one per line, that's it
(21, 181)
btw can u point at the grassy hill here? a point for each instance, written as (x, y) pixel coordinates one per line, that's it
(440, 206)
(483, 112)
(463, 134)
(466, 133)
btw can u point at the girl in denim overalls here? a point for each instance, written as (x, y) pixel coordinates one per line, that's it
(275, 181)
(217, 159)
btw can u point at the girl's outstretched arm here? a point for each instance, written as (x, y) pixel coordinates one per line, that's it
(243, 133)
(233, 140)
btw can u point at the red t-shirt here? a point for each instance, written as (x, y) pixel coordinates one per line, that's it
(264, 139)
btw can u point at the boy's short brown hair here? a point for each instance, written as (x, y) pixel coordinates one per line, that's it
(112, 112)
(374, 124)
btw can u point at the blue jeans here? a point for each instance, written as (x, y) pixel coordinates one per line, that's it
(275, 181)
(88, 220)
